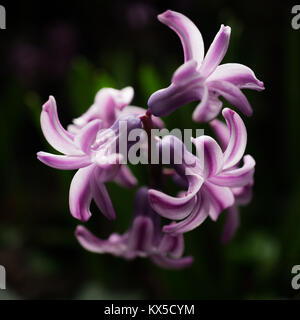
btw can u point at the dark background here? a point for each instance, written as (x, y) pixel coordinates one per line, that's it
(71, 50)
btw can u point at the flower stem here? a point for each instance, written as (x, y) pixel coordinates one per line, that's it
(155, 170)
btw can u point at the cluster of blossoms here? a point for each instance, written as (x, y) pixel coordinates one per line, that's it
(212, 181)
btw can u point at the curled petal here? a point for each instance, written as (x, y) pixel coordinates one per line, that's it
(80, 195)
(172, 207)
(173, 152)
(172, 244)
(89, 241)
(141, 235)
(237, 74)
(87, 135)
(124, 96)
(107, 102)
(216, 51)
(236, 177)
(232, 94)
(188, 33)
(221, 131)
(125, 177)
(119, 98)
(141, 203)
(238, 138)
(73, 129)
(243, 195)
(210, 155)
(196, 217)
(218, 199)
(108, 166)
(103, 108)
(102, 198)
(186, 71)
(165, 101)
(64, 162)
(171, 263)
(180, 181)
(92, 243)
(55, 134)
(208, 108)
(231, 224)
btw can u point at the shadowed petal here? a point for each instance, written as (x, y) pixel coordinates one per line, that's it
(165, 101)
(188, 33)
(218, 198)
(197, 217)
(172, 244)
(107, 166)
(176, 208)
(141, 235)
(125, 177)
(87, 135)
(63, 162)
(171, 263)
(92, 243)
(80, 195)
(232, 94)
(141, 203)
(222, 132)
(171, 207)
(173, 152)
(208, 108)
(102, 198)
(216, 51)
(210, 155)
(231, 224)
(236, 177)
(59, 138)
(243, 195)
(186, 71)
(237, 74)
(238, 138)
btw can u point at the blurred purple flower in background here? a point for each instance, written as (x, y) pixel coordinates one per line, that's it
(60, 46)
(51, 60)
(27, 61)
(139, 14)
(143, 239)
(202, 78)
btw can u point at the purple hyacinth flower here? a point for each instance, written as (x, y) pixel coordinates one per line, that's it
(93, 151)
(108, 106)
(143, 239)
(242, 195)
(211, 177)
(202, 78)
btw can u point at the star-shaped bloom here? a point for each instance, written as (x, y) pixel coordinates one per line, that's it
(93, 151)
(143, 239)
(211, 177)
(242, 195)
(110, 104)
(202, 77)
